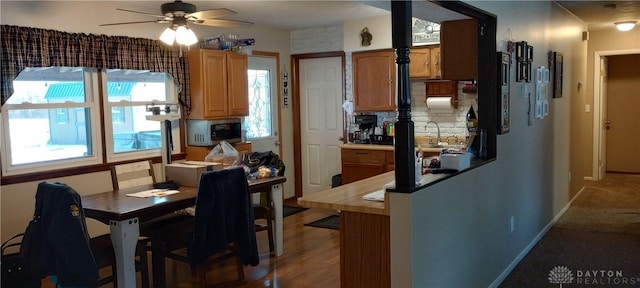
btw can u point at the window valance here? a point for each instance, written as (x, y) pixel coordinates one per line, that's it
(22, 47)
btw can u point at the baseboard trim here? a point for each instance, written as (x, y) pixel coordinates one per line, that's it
(533, 242)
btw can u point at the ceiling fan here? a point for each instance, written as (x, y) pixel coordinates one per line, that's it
(179, 14)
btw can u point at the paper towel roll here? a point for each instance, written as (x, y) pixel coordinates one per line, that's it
(439, 103)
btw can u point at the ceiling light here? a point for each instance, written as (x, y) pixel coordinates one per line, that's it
(625, 26)
(168, 36)
(185, 36)
(181, 34)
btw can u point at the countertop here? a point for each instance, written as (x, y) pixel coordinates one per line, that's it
(348, 197)
(382, 147)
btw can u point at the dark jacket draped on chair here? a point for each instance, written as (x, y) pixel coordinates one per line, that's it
(66, 250)
(224, 214)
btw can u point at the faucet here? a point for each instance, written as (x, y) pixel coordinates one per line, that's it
(437, 127)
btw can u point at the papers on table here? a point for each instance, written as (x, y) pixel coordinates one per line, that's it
(153, 193)
(375, 196)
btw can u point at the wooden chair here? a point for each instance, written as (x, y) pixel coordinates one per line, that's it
(223, 202)
(132, 174)
(105, 257)
(264, 211)
(101, 247)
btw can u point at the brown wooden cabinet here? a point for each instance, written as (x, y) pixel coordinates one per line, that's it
(459, 49)
(425, 62)
(219, 85)
(374, 81)
(358, 164)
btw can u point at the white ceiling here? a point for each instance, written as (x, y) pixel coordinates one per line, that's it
(279, 14)
(600, 15)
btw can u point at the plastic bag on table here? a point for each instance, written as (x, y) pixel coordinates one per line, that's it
(223, 153)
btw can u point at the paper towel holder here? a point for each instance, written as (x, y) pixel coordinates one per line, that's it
(442, 88)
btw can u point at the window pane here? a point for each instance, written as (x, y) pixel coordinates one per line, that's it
(135, 132)
(258, 123)
(48, 139)
(59, 126)
(131, 130)
(49, 85)
(136, 85)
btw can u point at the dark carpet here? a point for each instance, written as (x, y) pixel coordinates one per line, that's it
(330, 222)
(290, 210)
(596, 243)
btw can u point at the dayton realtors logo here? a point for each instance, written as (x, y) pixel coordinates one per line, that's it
(562, 275)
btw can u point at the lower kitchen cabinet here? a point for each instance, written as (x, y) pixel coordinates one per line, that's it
(358, 164)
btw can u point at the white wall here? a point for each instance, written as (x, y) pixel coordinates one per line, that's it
(459, 233)
(18, 200)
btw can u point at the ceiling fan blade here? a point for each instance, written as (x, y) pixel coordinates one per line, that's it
(135, 22)
(220, 22)
(212, 13)
(144, 13)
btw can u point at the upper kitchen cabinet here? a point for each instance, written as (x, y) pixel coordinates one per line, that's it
(459, 49)
(425, 62)
(374, 81)
(219, 85)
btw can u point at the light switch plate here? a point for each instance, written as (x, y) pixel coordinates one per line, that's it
(587, 108)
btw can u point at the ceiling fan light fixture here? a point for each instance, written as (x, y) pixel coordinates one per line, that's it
(168, 36)
(626, 25)
(185, 36)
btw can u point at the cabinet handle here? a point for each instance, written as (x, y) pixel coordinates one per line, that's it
(362, 153)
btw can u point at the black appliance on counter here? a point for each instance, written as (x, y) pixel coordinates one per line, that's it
(366, 125)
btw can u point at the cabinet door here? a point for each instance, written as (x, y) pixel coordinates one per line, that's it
(435, 62)
(374, 81)
(420, 63)
(459, 48)
(238, 87)
(352, 172)
(214, 84)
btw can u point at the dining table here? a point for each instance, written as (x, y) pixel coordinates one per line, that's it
(124, 214)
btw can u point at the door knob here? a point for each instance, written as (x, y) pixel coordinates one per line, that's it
(277, 143)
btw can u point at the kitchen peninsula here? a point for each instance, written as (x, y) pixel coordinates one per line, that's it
(365, 224)
(364, 231)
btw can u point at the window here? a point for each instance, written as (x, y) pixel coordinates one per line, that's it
(129, 93)
(258, 124)
(52, 121)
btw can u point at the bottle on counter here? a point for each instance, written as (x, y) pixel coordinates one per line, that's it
(472, 120)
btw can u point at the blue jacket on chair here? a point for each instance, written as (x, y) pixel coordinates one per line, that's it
(224, 214)
(67, 250)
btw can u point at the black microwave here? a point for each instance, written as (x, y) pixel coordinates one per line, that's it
(212, 132)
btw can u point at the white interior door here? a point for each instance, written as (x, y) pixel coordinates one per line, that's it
(262, 123)
(602, 151)
(321, 95)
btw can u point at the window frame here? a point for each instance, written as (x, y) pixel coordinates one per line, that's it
(101, 138)
(90, 79)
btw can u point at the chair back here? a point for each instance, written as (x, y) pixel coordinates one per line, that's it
(224, 214)
(132, 174)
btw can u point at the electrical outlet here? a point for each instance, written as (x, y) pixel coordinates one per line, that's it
(513, 224)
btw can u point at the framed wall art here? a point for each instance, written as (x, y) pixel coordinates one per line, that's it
(556, 71)
(504, 70)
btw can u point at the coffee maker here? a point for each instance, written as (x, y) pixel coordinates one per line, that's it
(366, 124)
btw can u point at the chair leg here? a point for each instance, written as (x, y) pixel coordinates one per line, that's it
(239, 266)
(270, 234)
(144, 264)
(114, 276)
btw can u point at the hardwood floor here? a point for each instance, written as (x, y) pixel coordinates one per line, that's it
(311, 259)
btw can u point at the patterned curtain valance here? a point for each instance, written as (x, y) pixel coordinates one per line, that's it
(22, 47)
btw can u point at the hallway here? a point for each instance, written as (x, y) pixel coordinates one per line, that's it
(596, 242)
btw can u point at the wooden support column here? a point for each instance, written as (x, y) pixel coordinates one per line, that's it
(401, 14)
